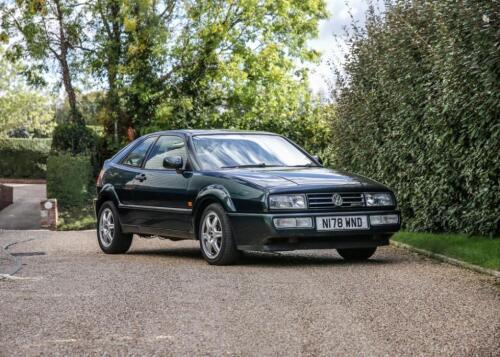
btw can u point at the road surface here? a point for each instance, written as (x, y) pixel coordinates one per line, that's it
(24, 213)
(162, 299)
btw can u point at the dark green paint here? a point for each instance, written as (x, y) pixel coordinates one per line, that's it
(169, 202)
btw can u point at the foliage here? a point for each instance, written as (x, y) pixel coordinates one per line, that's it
(217, 63)
(69, 179)
(75, 139)
(76, 218)
(21, 107)
(90, 106)
(47, 31)
(171, 64)
(418, 110)
(24, 158)
(482, 251)
(27, 110)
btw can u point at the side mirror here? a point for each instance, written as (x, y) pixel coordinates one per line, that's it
(317, 159)
(173, 162)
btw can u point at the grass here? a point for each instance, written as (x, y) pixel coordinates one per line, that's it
(482, 251)
(76, 218)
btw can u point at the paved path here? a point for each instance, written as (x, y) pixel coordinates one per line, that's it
(162, 299)
(24, 213)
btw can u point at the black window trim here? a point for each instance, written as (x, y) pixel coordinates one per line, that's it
(139, 167)
(184, 164)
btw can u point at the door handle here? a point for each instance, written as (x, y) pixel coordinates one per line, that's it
(140, 177)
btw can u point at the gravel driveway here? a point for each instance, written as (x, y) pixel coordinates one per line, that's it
(162, 299)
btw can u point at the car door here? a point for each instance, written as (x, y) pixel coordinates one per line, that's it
(162, 194)
(125, 176)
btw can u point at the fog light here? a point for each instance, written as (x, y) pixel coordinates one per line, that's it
(384, 219)
(291, 222)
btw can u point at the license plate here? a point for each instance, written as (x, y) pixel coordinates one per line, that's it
(341, 223)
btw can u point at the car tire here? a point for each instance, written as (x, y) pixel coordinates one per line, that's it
(110, 237)
(353, 254)
(216, 237)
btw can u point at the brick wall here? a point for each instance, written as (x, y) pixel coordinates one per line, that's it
(6, 196)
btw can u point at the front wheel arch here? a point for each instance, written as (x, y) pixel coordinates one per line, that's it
(227, 252)
(200, 208)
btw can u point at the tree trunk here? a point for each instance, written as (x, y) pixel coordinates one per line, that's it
(110, 15)
(76, 117)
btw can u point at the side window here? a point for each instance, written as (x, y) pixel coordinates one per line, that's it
(166, 146)
(136, 156)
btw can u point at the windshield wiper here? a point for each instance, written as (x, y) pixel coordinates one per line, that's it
(306, 165)
(262, 164)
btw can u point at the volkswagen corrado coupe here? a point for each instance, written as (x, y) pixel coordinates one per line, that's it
(235, 191)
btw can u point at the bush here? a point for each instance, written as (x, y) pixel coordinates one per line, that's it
(69, 179)
(76, 139)
(418, 110)
(24, 158)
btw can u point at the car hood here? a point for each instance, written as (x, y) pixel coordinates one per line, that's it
(306, 177)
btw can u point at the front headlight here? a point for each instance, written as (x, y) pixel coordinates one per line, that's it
(287, 201)
(379, 199)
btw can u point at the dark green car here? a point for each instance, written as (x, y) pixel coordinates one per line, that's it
(235, 191)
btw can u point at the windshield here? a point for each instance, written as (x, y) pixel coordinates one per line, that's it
(247, 150)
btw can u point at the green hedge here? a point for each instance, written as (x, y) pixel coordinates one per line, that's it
(418, 110)
(24, 158)
(69, 179)
(78, 140)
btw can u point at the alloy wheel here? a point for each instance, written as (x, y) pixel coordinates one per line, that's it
(107, 227)
(211, 235)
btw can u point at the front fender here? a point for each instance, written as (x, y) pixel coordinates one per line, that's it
(215, 191)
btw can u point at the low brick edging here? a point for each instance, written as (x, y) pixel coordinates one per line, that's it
(26, 181)
(49, 214)
(6, 196)
(448, 260)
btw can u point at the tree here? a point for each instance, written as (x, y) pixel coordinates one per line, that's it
(90, 105)
(221, 63)
(27, 110)
(235, 63)
(418, 109)
(49, 30)
(21, 107)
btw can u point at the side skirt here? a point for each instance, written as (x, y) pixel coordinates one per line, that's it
(128, 228)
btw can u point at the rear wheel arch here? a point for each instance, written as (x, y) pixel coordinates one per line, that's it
(118, 242)
(106, 194)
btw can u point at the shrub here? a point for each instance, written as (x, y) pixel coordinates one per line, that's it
(24, 158)
(418, 110)
(76, 139)
(69, 179)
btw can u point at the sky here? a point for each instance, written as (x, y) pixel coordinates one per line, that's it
(333, 49)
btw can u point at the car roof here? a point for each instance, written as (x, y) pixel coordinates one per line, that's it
(194, 132)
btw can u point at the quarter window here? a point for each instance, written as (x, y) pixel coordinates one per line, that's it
(136, 156)
(166, 146)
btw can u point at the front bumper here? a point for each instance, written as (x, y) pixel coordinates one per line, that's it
(255, 231)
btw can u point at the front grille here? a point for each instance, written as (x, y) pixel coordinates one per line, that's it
(324, 200)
